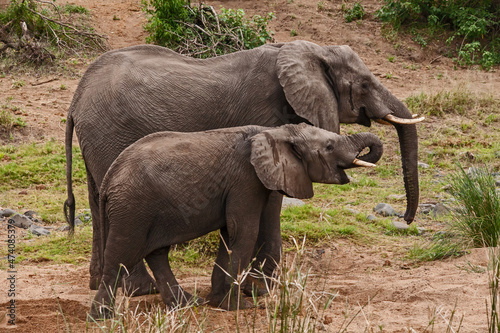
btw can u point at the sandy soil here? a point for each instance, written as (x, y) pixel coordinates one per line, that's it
(405, 297)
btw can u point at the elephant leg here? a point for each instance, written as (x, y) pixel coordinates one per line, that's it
(268, 248)
(170, 290)
(218, 292)
(117, 255)
(231, 264)
(139, 282)
(95, 269)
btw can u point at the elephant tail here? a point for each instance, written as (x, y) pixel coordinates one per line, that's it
(69, 204)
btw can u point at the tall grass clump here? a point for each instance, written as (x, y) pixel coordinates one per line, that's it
(477, 217)
(200, 31)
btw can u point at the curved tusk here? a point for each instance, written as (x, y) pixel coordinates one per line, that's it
(414, 116)
(403, 121)
(383, 122)
(363, 163)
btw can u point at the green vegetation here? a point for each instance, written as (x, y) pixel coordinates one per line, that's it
(199, 31)
(471, 26)
(34, 177)
(48, 31)
(8, 119)
(356, 12)
(477, 218)
(459, 101)
(58, 248)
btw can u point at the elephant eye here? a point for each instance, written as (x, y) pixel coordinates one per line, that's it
(329, 147)
(364, 86)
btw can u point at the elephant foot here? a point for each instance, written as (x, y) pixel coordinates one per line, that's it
(229, 303)
(186, 299)
(256, 286)
(139, 285)
(100, 312)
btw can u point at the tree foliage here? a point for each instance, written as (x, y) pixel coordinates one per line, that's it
(200, 31)
(37, 30)
(475, 24)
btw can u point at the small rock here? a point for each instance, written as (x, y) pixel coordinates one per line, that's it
(423, 165)
(7, 212)
(384, 210)
(426, 208)
(371, 217)
(40, 187)
(400, 225)
(351, 210)
(63, 228)
(23, 192)
(78, 222)
(396, 196)
(85, 217)
(290, 202)
(30, 213)
(20, 221)
(38, 231)
(472, 171)
(421, 230)
(440, 209)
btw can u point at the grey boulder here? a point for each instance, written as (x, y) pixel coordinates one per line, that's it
(20, 221)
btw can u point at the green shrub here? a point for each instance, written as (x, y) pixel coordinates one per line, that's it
(199, 31)
(475, 23)
(478, 214)
(356, 12)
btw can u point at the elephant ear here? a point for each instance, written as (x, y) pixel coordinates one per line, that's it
(303, 73)
(279, 166)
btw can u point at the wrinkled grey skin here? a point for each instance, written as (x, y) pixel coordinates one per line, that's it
(129, 93)
(171, 187)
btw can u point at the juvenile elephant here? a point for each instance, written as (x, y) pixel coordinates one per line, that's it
(170, 187)
(129, 93)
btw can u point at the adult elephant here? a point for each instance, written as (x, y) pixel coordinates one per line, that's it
(129, 93)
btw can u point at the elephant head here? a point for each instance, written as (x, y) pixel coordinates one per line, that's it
(290, 158)
(331, 85)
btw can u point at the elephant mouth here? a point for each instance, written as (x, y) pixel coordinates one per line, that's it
(363, 118)
(343, 178)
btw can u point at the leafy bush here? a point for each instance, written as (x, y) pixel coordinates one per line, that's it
(37, 30)
(475, 22)
(356, 12)
(199, 31)
(478, 212)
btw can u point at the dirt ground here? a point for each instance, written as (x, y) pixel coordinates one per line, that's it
(405, 298)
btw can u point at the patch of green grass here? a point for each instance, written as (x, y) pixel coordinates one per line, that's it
(75, 9)
(391, 230)
(34, 177)
(459, 101)
(314, 223)
(58, 248)
(8, 120)
(435, 250)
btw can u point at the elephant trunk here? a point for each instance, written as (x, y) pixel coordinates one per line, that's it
(408, 142)
(361, 141)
